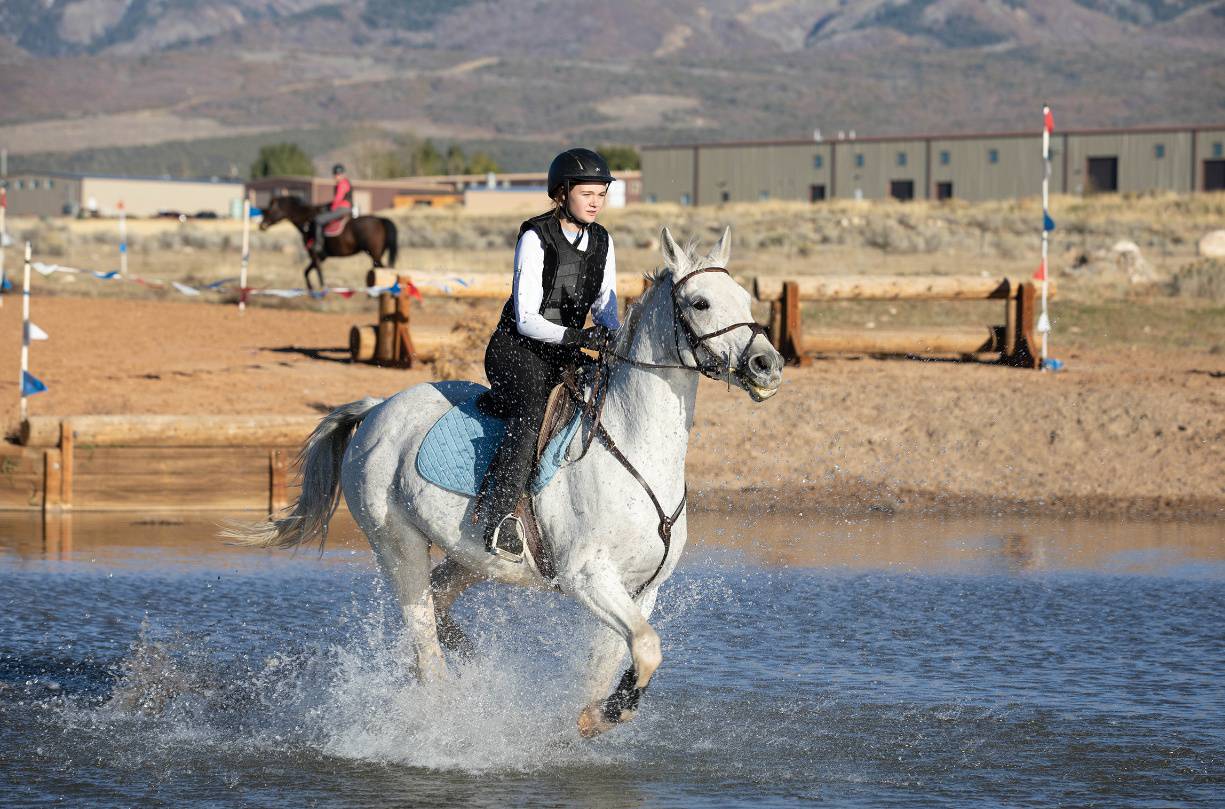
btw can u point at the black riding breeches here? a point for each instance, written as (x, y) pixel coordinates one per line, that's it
(522, 373)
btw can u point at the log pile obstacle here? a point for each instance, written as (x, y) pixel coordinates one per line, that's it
(1013, 341)
(390, 342)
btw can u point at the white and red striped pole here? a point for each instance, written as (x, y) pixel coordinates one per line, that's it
(123, 241)
(246, 254)
(1044, 321)
(4, 237)
(25, 334)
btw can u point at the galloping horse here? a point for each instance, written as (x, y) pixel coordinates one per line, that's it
(613, 517)
(373, 235)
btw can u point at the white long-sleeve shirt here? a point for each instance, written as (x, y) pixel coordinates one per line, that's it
(529, 290)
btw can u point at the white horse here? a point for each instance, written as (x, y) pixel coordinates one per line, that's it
(613, 519)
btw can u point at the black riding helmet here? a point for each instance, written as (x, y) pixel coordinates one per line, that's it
(575, 166)
(338, 168)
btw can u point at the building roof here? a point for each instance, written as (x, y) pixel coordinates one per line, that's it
(68, 175)
(946, 136)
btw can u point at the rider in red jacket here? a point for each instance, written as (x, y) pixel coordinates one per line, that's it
(341, 205)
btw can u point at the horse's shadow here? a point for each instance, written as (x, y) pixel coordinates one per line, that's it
(325, 354)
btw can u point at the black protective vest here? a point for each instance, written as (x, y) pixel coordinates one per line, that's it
(571, 278)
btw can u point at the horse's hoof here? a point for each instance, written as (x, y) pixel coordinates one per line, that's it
(592, 721)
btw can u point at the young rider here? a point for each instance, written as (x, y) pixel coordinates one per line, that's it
(341, 205)
(564, 268)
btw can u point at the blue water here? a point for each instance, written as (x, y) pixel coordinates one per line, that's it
(133, 674)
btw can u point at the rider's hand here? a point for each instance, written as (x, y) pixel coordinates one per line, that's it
(596, 338)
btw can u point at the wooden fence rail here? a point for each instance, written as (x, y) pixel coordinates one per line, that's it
(1013, 341)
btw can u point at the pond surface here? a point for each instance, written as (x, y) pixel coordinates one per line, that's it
(885, 662)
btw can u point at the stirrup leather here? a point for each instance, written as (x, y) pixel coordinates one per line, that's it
(495, 544)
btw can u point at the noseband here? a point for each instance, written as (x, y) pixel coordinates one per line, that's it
(716, 367)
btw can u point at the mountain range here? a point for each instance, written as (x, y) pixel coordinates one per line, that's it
(180, 86)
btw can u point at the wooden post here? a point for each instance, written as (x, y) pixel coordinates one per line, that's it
(67, 453)
(385, 347)
(1010, 324)
(1022, 350)
(404, 352)
(52, 480)
(278, 480)
(792, 330)
(775, 326)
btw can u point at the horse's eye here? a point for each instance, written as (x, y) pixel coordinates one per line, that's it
(701, 304)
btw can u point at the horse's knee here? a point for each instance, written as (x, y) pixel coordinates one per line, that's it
(646, 653)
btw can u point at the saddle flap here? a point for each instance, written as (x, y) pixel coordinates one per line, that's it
(334, 229)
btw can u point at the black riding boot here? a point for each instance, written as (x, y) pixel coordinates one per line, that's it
(510, 471)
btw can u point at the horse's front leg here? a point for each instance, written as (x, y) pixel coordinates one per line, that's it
(607, 653)
(314, 265)
(598, 587)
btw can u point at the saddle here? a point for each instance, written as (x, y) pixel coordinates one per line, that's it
(458, 449)
(336, 227)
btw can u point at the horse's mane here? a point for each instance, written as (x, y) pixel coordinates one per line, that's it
(655, 279)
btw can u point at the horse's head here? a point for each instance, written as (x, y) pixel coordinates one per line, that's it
(713, 324)
(279, 209)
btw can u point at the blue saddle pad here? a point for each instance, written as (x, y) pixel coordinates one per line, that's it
(460, 446)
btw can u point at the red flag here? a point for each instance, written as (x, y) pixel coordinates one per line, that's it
(1048, 120)
(1040, 275)
(412, 290)
(344, 293)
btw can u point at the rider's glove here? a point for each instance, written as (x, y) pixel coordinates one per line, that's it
(595, 338)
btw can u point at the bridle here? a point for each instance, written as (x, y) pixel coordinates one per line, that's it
(715, 368)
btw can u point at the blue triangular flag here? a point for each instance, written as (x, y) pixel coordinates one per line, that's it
(6, 285)
(256, 211)
(31, 384)
(1047, 222)
(106, 276)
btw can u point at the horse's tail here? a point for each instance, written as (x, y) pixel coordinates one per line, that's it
(389, 228)
(319, 462)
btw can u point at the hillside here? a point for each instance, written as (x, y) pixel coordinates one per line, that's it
(92, 83)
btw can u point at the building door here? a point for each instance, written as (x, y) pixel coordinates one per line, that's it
(901, 189)
(1103, 175)
(816, 193)
(362, 202)
(944, 190)
(1214, 175)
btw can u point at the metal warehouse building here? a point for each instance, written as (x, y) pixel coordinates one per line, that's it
(970, 167)
(58, 194)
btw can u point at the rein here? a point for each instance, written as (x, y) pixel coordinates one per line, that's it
(594, 408)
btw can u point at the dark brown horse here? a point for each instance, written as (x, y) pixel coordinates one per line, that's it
(373, 235)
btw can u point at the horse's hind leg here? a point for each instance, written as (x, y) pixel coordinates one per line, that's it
(601, 591)
(404, 556)
(448, 581)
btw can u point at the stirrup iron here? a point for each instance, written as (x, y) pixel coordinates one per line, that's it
(509, 526)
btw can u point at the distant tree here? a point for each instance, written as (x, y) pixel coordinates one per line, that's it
(481, 163)
(456, 161)
(281, 159)
(427, 159)
(621, 158)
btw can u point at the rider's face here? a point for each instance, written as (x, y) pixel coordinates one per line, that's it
(586, 201)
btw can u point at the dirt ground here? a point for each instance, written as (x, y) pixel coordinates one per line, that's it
(1125, 429)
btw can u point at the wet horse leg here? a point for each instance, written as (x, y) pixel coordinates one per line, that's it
(448, 581)
(403, 554)
(607, 654)
(598, 587)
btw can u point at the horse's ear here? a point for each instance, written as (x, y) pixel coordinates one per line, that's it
(674, 256)
(722, 252)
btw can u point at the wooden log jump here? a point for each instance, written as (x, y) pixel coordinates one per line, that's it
(1013, 341)
(390, 342)
(163, 462)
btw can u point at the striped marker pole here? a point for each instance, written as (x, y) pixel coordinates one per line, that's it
(25, 333)
(1048, 124)
(4, 206)
(123, 241)
(246, 254)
